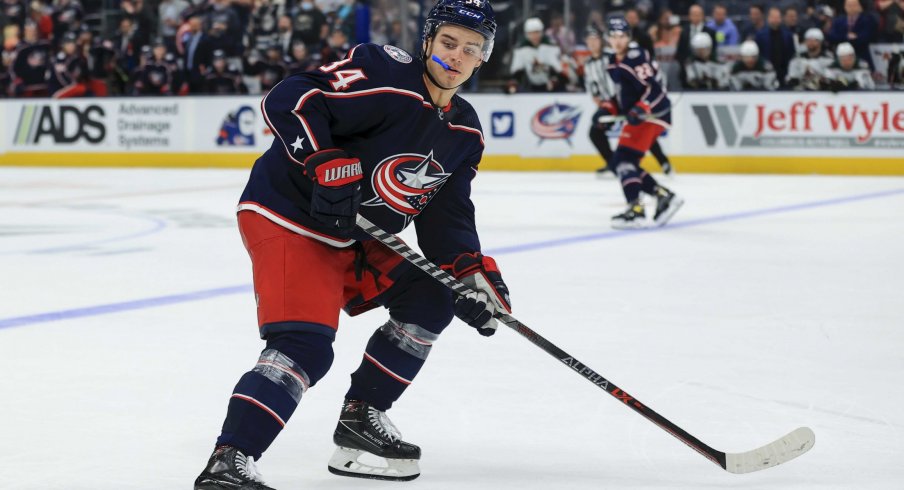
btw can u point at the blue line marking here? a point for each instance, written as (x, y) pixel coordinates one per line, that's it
(124, 306)
(247, 288)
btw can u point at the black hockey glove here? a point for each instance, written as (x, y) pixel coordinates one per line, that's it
(480, 273)
(337, 187)
(638, 114)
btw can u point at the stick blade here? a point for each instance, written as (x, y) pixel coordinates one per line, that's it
(783, 450)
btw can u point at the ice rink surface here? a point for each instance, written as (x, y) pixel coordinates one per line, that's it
(769, 303)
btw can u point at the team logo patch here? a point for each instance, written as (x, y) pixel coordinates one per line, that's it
(555, 121)
(397, 54)
(633, 53)
(237, 128)
(406, 183)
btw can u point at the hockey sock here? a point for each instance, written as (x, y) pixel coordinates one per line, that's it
(265, 397)
(627, 166)
(648, 183)
(601, 142)
(394, 355)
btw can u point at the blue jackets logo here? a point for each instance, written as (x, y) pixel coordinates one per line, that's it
(406, 183)
(237, 128)
(503, 124)
(555, 121)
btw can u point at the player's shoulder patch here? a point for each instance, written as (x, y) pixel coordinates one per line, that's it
(634, 53)
(397, 54)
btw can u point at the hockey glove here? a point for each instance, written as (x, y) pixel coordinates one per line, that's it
(479, 272)
(638, 114)
(337, 187)
(608, 108)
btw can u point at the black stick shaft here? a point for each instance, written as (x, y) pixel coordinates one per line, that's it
(393, 242)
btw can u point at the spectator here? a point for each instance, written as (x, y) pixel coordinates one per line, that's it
(13, 12)
(560, 34)
(856, 28)
(69, 70)
(775, 43)
(224, 28)
(335, 48)
(198, 50)
(270, 70)
(285, 36)
(536, 65)
(726, 31)
(695, 26)
(807, 71)
(170, 14)
(666, 32)
(67, 16)
(895, 75)
(755, 22)
(6, 59)
(29, 64)
(849, 73)
(752, 72)
(638, 34)
(265, 25)
(104, 76)
(156, 77)
(308, 22)
(222, 79)
(144, 19)
(301, 60)
(125, 44)
(699, 71)
(891, 21)
(40, 15)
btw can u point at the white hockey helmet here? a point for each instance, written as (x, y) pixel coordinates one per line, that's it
(814, 33)
(533, 24)
(844, 49)
(749, 49)
(701, 40)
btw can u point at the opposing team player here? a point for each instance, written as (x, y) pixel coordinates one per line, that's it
(598, 83)
(382, 133)
(646, 109)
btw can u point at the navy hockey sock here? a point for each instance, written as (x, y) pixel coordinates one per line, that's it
(627, 166)
(394, 355)
(265, 397)
(647, 183)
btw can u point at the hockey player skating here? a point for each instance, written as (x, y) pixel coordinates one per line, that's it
(598, 83)
(647, 115)
(382, 133)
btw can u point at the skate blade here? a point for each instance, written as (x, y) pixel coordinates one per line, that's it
(607, 175)
(351, 462)
(633, 225)
(676, 204)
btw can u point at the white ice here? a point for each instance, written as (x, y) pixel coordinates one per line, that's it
(771, 302)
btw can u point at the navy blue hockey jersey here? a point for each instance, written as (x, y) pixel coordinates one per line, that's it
(374, 105)
(635, 81)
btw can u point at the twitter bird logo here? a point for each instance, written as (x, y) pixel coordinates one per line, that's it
(503, 123)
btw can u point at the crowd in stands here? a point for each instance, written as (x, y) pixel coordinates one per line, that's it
(66, 48)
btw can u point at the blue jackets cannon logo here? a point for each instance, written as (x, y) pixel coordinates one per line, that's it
(555, 121)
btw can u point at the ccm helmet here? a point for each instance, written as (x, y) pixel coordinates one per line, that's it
(476, 15)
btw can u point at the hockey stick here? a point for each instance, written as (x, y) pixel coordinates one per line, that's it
(790, 446)
(618, 117)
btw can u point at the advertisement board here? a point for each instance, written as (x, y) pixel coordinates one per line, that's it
(792, 132)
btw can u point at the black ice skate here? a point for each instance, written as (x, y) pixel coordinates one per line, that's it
(634, 217)
(365, 433)
(667, 204)
(229, 469)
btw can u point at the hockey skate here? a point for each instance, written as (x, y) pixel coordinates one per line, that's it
(667, 204)
(229, 469)
(632, 218)
(369, 446)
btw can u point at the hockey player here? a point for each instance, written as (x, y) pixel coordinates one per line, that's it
(752, 72)
(647, 114)
(848, 73)
(598, 83)
(699, 71)
(807, 71)
(382, 133)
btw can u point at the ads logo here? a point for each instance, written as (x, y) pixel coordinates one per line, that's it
(61, 124)
(555, 121)
(237, 128)
(503, 123)
(720, 118)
